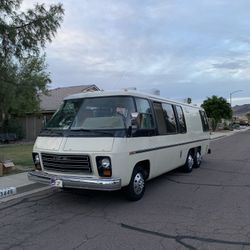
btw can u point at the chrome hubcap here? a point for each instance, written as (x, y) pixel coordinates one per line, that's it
(190, 161)
(138, 183)
(198, 158)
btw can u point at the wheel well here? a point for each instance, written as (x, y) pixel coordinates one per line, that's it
(146, 166)
(194, 150)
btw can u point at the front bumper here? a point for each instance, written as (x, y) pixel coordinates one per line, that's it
(106, 184)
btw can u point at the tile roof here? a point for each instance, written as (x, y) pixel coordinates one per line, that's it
(53, 100)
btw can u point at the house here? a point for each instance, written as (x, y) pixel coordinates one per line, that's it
(33, 123)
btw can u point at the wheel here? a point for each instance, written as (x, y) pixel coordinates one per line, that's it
(188, 167)
(136, 188)
(197, 159)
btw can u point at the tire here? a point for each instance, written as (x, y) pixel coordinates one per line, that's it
(197, 159)
(136, 188)
(189, 164)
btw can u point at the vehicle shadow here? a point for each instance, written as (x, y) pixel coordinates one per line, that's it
(119, 196)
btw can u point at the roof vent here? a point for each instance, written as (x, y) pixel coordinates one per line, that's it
(152, 91)
(156, 91)
(130, 88)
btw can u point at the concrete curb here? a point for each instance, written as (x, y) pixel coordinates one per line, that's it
(29, 187)
(12, 186)
(220, 135)
(28, 191)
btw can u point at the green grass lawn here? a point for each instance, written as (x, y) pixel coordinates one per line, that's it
(20, 154)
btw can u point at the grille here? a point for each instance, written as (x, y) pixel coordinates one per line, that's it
(66, 163)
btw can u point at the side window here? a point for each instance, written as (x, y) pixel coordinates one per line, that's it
(181, 119)
(170, 119)
(204, 121)
(159, 113)
(143, 107)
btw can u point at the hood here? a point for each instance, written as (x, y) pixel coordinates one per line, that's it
(73, 144)
(48, 143)
(89, 144)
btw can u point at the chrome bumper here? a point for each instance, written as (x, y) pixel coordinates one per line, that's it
(107, 184)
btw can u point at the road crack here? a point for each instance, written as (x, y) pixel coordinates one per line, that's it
(209, 184)
(180, 238)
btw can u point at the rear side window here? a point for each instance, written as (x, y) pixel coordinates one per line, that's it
(160, 118)
(169, 117)
(181, 119)
(143, 107)
(204, 121)
(165, 118)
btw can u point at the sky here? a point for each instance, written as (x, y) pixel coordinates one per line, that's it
(182, 48)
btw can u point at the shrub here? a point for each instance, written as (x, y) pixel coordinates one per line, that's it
(12, 126)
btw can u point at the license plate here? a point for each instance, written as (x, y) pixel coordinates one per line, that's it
(56, 183)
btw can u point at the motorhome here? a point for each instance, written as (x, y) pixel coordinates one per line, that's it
(118, 140)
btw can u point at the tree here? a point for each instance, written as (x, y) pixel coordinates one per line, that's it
(217, 108)
(22, 67)
(32, 79)
(248, 116)
(22, 34)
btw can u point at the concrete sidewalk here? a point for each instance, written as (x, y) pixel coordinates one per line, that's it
(21, 184)
(15, 180)
(223, 133)
(15, 185)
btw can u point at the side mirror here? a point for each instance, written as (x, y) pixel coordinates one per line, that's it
(135, 120)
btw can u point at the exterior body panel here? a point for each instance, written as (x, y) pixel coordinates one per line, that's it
(158, 153)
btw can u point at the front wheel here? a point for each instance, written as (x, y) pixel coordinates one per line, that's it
(136, 188)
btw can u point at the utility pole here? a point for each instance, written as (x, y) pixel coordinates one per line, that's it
(236, 91)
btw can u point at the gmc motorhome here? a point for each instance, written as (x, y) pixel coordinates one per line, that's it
(121, 139)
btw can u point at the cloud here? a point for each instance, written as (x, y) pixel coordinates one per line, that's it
(185, 48)
(233, 65)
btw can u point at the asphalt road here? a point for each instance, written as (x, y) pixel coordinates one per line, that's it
(207, 209)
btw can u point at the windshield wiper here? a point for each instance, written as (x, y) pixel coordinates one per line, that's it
(92, 131)
(51, 132)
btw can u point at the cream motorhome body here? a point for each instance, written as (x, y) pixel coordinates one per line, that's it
(111, 140)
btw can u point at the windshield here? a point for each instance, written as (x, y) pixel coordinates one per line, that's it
(100, 113)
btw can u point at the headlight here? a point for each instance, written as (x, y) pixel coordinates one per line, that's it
(105, 163)
(36, 160)
(104, 166)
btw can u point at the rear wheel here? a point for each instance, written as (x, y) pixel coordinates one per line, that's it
(197, 159)
(136, 188)
(189, 164)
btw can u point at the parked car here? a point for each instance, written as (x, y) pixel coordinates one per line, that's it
(244, 123)
(7, 137)
(113, 140)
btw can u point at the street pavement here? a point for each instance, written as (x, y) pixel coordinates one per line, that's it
(24, 186)
(206, 209)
